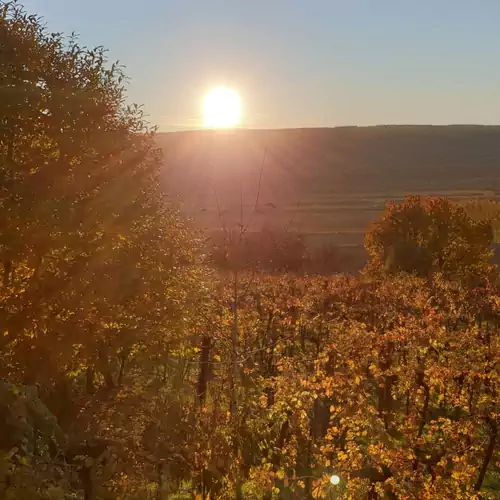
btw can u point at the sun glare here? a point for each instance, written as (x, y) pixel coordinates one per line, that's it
(221, 108)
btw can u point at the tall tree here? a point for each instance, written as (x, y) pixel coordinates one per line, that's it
(101, 278)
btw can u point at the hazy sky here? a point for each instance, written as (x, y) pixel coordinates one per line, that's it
(300, 62)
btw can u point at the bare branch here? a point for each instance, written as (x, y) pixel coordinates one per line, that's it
(245, 229)
(221, 217)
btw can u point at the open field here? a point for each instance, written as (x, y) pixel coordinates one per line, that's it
(327, 184)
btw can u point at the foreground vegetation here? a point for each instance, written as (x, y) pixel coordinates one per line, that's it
(131, 370)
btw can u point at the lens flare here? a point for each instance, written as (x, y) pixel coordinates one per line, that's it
(335, 479)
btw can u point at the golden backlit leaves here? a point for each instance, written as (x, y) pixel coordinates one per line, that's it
(415, 340)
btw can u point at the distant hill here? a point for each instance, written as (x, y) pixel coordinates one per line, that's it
(327, 180)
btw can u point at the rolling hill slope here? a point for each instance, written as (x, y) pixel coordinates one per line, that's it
(325, 181)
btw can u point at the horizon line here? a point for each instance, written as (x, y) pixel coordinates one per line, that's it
(334, 127)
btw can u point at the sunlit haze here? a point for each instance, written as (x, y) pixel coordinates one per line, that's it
(299, 63)
(249, 249)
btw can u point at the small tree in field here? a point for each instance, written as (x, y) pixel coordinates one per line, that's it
(484, 209)
(427, 235)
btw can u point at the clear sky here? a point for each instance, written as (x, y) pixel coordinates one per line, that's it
(300, 63)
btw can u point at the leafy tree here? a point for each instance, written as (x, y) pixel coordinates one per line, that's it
(427, 235)
(135, 372)
(485, 210)
(101, 278)
(32, 448)
(386, 382)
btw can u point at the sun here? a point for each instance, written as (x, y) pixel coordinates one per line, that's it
(221, 108)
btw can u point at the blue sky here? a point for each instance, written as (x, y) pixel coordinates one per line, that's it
(300, 62)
